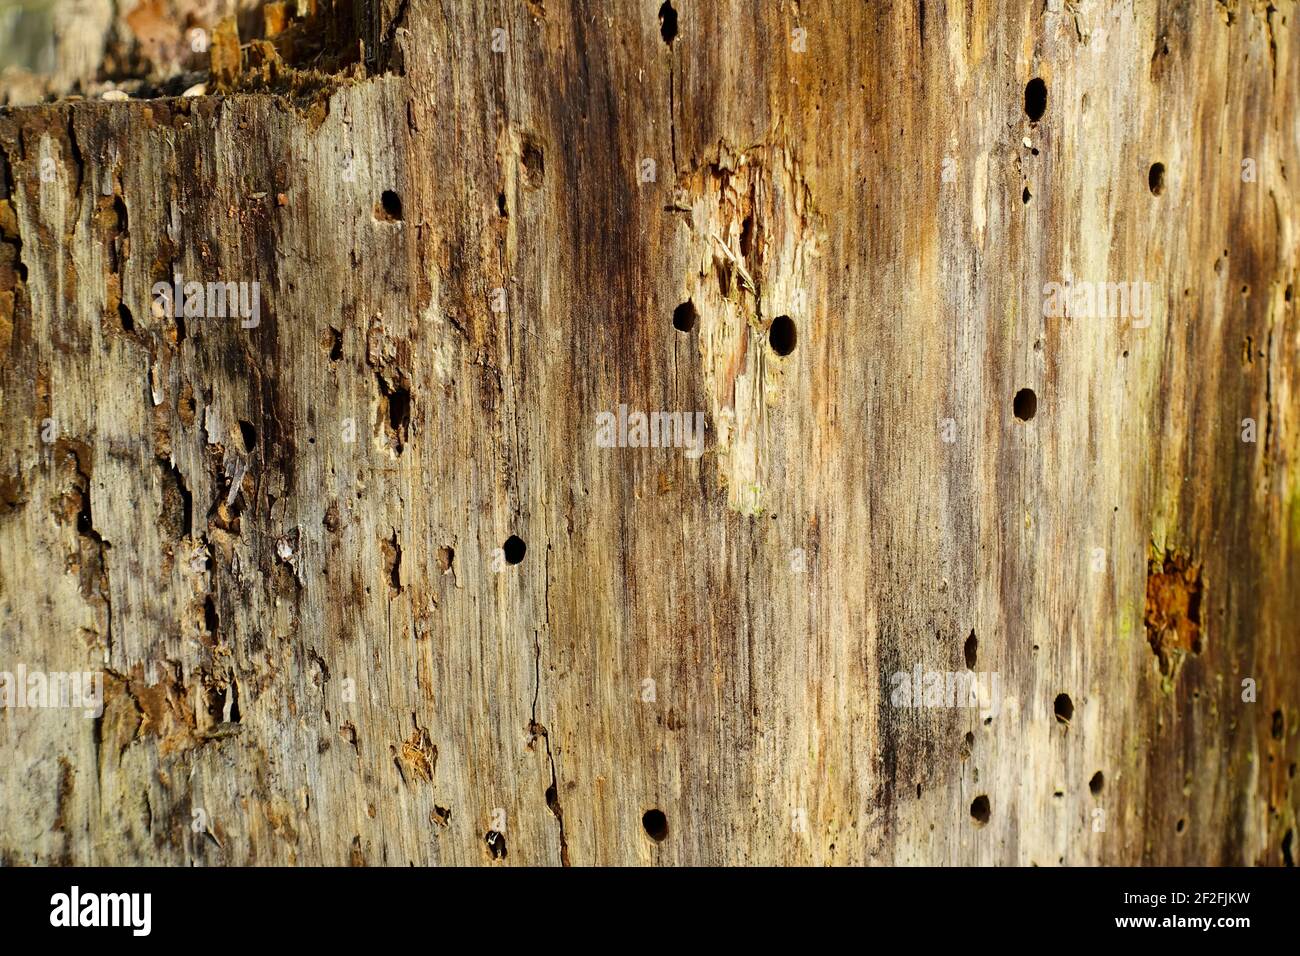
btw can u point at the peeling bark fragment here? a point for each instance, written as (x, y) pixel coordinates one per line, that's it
(1173, 610)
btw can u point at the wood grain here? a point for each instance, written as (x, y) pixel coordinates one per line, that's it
(315, 652)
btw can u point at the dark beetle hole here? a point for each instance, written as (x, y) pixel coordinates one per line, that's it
(211, 619)
(1287, 859)
(1156, 178)
(496, 844)
(249, 434)
(399, 409)
(979, 810)
(514, 549)
(1097, 782)
(1025, 404)
(1180, 825)
(668, 23)
(972, 647)
(128, 320)
(684, 316)
(782, 335)
(390, 207)
(1025, 196)
(1064, 708)
(656, 825)
(1035, 99)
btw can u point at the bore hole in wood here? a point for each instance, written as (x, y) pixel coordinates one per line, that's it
(249, 434)
(390, 207)
(1025, 196)
(655, 824)
(211, 619)
(1035, 99)
(782, 335)
(1064, 708)
(496, 844)
(399, 409)
(684, 316)
(1025, 404)
(1097, 782)
(980, 810)
(514, 549)
(668, 23)
(1156, 178)
(534, 159)
(972, 648)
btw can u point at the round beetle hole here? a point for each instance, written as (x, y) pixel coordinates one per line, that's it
(684, 316)
(390, 207)
(1156, 178)
(782, 335)
(1035, 99)
(979, 810)
(1064, 708)
(1025, 404)
(656, 825)
(514, 549)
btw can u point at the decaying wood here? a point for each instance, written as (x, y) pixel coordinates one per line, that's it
(284, 545)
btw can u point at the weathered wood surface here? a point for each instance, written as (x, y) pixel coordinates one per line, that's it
(181, 506)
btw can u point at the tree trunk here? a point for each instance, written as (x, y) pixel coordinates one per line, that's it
(876, 246)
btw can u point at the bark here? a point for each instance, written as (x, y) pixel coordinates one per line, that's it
(286, 545)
